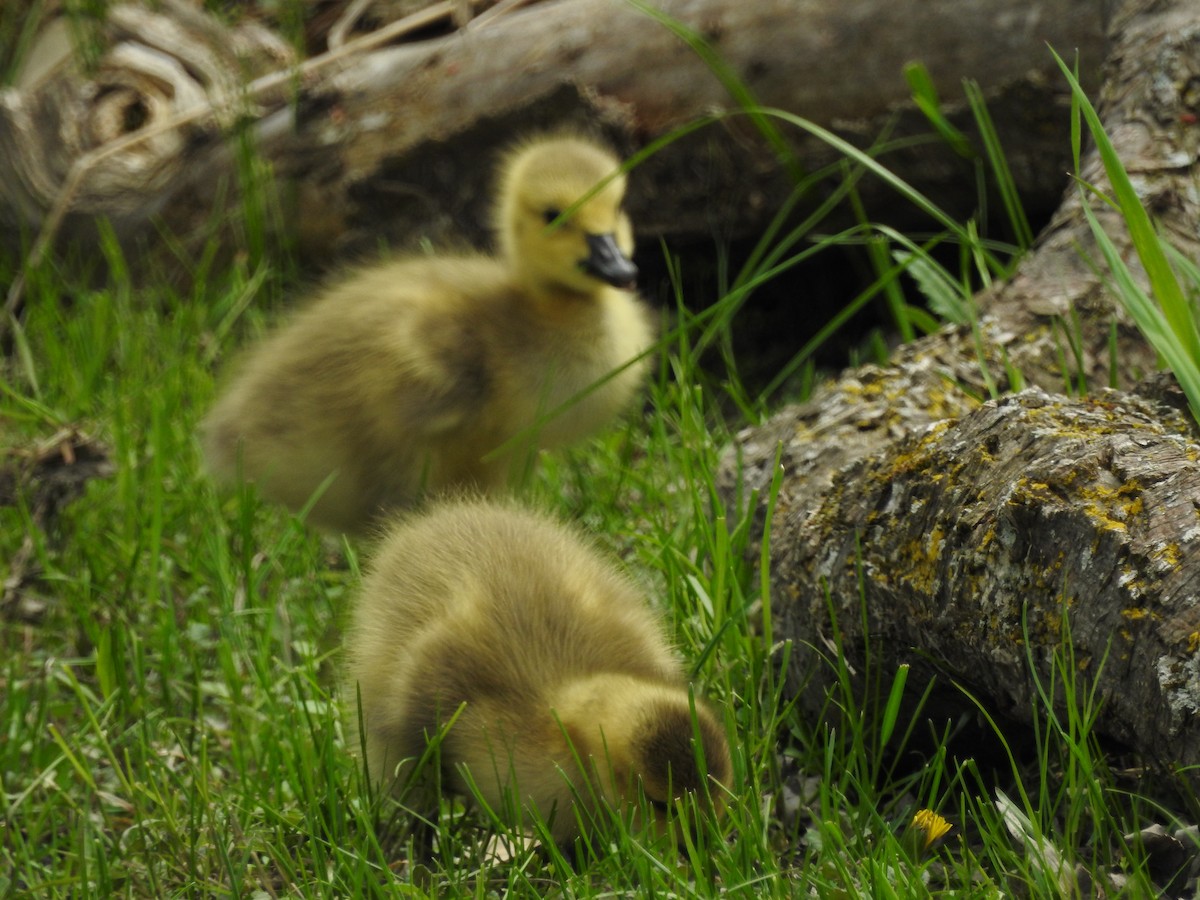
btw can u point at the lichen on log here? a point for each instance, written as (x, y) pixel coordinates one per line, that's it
(979, 539)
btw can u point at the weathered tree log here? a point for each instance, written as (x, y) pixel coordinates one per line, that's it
(980, 529)
(386, 142)
(976, 540)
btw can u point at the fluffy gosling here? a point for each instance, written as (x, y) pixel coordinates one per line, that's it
(572, 695)
(432, 372)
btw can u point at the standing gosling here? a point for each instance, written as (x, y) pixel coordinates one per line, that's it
(568, 690)
(431, 372)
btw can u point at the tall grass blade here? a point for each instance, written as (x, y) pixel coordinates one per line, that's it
(1179, 341)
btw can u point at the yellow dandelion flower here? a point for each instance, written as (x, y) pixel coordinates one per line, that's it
(933, 825)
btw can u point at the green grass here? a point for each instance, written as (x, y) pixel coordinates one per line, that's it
(168, 721)
(1156, 299)
(169, 724)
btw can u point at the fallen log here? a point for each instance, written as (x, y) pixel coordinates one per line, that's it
(388, 137)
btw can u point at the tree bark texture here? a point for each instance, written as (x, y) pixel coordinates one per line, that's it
(982, 530)
(395, 142)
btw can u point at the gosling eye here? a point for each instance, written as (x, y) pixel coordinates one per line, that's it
(549, 215)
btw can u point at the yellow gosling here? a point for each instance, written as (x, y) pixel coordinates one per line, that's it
(569, 692)
(432, 372)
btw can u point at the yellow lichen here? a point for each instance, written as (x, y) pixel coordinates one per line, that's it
(921, 556)
(1132, 581)
(986, 539)
(1168, 554)
(1112, 508)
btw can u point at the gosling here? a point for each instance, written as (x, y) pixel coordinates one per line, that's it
(550, 676)
(428, 373)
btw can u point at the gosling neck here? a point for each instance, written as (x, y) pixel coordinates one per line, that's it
(603, 713)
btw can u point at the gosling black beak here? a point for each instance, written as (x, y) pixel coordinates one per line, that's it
(606, 262)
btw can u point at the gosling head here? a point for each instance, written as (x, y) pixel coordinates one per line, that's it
(655, 745)
(581, 253)
(665, 754)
